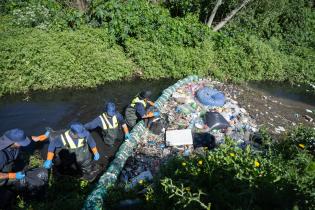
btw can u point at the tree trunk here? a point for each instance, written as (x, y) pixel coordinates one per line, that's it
(80, 4)
(230, 16)
(214, 11)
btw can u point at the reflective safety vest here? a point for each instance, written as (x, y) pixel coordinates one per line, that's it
(138, 100)
(67, 140)
(106, 124)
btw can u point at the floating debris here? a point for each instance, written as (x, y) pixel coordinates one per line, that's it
(184, 111)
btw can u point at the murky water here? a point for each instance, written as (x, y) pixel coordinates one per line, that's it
(286, 92)
(57, 109)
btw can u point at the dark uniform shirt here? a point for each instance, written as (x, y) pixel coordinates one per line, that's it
(141, 110)
(97, 122)
(8, 155)
(57, 143)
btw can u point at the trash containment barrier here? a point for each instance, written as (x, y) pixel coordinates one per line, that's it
(96, 198)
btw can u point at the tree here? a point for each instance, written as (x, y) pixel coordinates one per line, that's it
(227, 18)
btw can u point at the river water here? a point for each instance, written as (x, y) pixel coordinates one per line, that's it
(57, 109)
(271, 104)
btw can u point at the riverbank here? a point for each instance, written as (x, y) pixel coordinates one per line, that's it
(84, 109)
(255, 168)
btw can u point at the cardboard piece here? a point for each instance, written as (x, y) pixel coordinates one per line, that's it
(179, 137)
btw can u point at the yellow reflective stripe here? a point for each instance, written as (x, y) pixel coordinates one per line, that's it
(115, 122)
(80, 142)
(103, 122)
(63, 140)
(137, 100)
(71, 142)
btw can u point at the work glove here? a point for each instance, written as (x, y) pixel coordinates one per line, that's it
(127, 136)
(97, 156)
(156, 114)
(47, 164)
(19, 175)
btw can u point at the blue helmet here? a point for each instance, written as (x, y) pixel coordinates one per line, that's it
(110, 109)
(78, 129)
(14, 136)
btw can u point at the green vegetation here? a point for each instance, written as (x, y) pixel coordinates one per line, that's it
(50, 44)
(63, 193)
(35, 59)
(279, 175)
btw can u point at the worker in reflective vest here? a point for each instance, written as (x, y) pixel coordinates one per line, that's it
(110, 121)
(75, 141)
(137, 110)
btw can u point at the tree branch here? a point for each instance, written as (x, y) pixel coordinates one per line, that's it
(214, 11)
(230, 16)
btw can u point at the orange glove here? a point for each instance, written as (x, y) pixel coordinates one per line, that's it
(94, 150)
(39, 138)
(148, 115)
(50, 155)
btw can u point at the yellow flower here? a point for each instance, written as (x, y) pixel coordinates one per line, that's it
(302, 146)
(141, 181)
(184, 164)
(232, 154)
(200, 162)
(257, 164)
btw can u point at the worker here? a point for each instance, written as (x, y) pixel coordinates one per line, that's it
(138, 109)
(110, 122)
(73, 142)
(10, 144)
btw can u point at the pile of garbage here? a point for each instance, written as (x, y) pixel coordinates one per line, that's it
(193, 112)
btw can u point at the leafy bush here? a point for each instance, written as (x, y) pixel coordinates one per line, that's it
(248, 58)
(145, 21)
(232, 178)
(33, 59)
(161, 61)
(32, 16)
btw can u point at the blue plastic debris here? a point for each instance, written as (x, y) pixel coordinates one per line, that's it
(210, 97)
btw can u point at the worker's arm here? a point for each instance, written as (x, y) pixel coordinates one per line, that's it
(52, 147)
(17, 175)
(4, 175)
(150, 103)
(41, 137)
(51, 152)
(141, 110)
(92, 145)
(122, 122)
(93, 124)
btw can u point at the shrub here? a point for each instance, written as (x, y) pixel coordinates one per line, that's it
(161, 61)
(248, 58)
(32, 59)
(145, 21)
(232, 178)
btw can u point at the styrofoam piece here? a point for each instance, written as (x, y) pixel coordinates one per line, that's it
(179, 137)
(146, 175)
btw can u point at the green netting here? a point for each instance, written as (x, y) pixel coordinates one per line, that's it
(96, 198)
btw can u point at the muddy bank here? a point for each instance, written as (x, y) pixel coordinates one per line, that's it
(273, 110)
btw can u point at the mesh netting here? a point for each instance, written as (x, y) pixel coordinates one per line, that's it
(96, 198)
